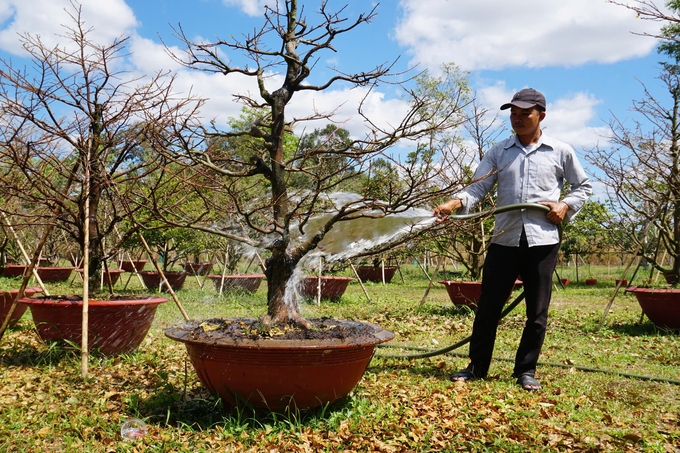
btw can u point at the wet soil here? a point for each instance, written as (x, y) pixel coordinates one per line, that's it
(235, 330)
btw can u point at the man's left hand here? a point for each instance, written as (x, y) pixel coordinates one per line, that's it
(557, 211)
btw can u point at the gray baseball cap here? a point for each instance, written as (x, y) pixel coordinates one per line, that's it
(526, 99)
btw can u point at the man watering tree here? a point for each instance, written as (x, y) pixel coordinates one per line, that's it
(529, 167)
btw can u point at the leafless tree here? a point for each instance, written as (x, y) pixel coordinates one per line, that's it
(76, 107)
(298, 182)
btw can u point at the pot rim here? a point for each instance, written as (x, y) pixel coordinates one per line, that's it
(53, 300)
(641, 289)
(181, 333)
(227, 277)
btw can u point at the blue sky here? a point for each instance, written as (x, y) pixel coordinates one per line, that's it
(581, 54)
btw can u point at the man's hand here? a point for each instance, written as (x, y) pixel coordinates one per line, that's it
(448, 208)
(557, 211)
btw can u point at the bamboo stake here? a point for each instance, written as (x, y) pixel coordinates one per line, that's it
(264, 268)
(86, 275)
(429, 286)
(25, 255)
(423, 269)
(165, 280)
(356, 274)
(382, 264)
(318, 283)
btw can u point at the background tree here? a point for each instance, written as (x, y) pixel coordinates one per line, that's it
(642, 168)
(74, 110)
(289, 45)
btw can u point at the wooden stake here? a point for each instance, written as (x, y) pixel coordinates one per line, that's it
(165, 280)
(429, 286)
(86, 276)
(356, 274)
(25, 255)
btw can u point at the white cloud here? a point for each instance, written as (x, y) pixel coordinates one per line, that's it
(46, 18)
(250, 7)
(488, 34)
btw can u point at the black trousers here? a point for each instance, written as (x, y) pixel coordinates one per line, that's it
(502, 266)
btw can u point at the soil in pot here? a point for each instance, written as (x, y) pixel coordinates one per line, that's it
(117, 325)
(285, 368)
(7, 298)
(249, 283)
(153, 280)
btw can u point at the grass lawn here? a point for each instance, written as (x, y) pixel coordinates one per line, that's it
(399, 406)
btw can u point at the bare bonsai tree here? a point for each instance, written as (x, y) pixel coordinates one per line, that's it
(280, 189)
(74, 110)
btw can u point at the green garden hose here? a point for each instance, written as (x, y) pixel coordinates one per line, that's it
(427, 353)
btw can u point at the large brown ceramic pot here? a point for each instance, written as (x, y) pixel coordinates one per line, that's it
(153, 280)
(7, 297)
(248, 283)
(660, 305)
(331, 287)
(375, 274)
(113, 274)
(130, 266)
(115, 326)
(463, 293)
(280, 374)
(54, 274)
(197, 268)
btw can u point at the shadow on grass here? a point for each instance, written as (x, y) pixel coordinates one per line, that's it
(203, 410)
(15, 351)
(644, 329)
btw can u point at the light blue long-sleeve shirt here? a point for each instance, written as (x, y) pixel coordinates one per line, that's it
(528, 174)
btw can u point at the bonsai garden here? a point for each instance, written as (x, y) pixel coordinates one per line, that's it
(171, 285)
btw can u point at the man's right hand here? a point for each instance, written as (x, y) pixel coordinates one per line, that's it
(448, 208)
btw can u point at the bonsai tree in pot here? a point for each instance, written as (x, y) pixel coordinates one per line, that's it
(288, 196)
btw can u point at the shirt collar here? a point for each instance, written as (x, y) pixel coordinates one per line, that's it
(542, 140)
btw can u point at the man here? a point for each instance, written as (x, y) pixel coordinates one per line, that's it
(529, 167)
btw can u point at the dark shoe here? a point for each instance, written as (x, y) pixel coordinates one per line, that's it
(529, 383)
(464, 375)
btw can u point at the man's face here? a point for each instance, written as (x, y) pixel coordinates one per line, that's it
(525, 121)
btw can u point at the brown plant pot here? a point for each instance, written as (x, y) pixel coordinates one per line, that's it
(198, 268)
(280, 374)
(13, 270)
(661, 306)
(331, 287)
(7, 297)
(623, 283)
(114, 326)
(374, 274)
(153, 280)
(113, 274)
(564, 281)
(248, 283)
(130, 266)
(463, 293)
(591, 281)
(54, 274)
(671, 278)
